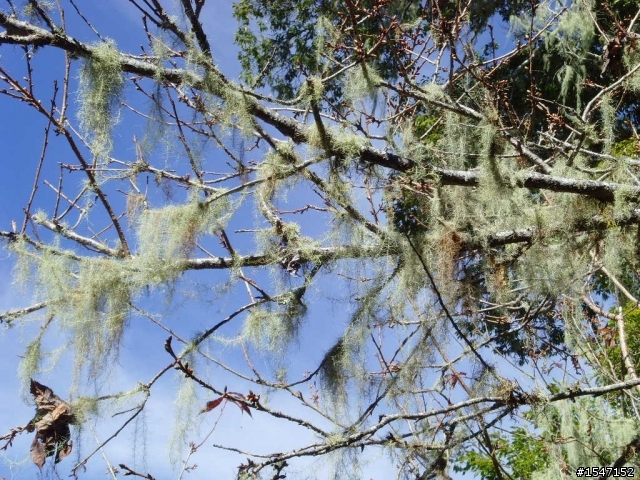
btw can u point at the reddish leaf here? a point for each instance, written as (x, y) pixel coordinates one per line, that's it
(242, 406)
(212, 404)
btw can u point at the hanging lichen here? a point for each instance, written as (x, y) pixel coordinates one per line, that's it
(582, 432)
(30, 12)
(362, 81)
(344, 366)
(571, 36)
(97, 312)
(100, 86)
(631, 60)
(187, 403)
(166, 236)
(90, 297)
(275, 327)
(90, 300)
(31, 360)
(608, 112)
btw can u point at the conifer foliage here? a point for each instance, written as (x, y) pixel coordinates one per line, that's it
(407, 231)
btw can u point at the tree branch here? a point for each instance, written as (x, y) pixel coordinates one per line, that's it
(300, 133)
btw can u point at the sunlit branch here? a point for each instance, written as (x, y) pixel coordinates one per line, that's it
(300, 133)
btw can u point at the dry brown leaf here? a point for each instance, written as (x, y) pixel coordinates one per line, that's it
(37, 452)
(52, 425)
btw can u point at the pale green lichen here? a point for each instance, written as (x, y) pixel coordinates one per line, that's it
(581, 432)
(311, 91)
(631, 60)
(101, 84)
(91, 297)
(168, 235)
(362, 81)
(187, 406)
(85, 408)
(608, 112)
(274, 327)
